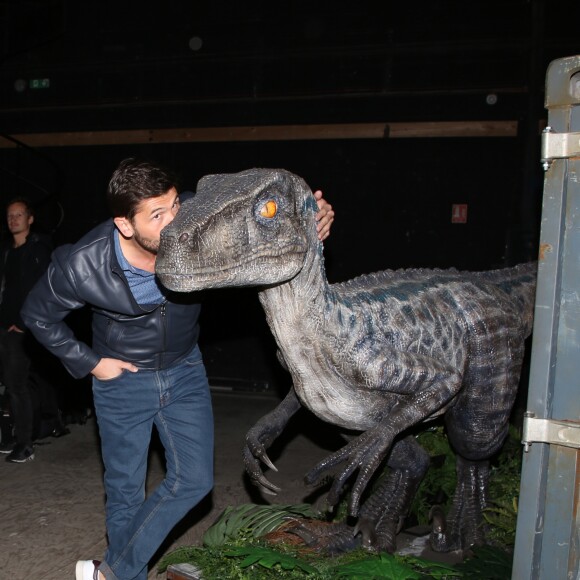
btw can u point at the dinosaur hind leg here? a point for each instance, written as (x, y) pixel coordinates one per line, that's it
(382, 515)
(477, 426)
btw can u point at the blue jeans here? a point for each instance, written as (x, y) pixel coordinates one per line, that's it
(177, 401)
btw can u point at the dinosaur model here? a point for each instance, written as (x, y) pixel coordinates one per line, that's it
(376, 355)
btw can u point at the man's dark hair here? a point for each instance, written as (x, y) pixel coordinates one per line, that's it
(135, 180)
(25, 202)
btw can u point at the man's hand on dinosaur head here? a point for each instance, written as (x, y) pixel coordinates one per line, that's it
(324, 217)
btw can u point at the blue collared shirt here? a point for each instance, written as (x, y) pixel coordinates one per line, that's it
(145, 286)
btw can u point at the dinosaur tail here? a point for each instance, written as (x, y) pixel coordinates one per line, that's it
(519, 282)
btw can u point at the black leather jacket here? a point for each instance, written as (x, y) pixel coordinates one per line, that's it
(88, 273)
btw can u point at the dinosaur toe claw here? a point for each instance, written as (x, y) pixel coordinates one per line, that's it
(265, 459)
(267, 486)
(437, 519)
(367, 530)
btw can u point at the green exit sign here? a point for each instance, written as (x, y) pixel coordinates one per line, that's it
(39, 83)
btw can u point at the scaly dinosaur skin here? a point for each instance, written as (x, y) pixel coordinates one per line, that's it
(378, 354)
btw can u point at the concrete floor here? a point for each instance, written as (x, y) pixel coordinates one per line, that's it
(52, 512)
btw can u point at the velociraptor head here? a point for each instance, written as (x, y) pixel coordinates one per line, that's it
(244, 229)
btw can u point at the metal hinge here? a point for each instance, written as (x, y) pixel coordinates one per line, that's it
(536, 430)
(558, 146)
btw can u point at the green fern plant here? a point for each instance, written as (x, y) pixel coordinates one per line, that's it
(252, 520)
(269, 558)
(501, 516)
(439, 482)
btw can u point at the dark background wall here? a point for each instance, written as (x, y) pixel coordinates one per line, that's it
(121, 66)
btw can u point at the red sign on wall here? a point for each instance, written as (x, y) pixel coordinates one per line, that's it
(459, 213)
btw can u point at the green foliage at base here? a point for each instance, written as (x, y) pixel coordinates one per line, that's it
(488, 563)
(255, 560)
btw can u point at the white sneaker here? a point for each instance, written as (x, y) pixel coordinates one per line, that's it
(87, 570)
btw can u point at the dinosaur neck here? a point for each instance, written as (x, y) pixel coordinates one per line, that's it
(300, 304)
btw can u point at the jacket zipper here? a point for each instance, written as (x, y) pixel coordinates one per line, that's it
(164, 327)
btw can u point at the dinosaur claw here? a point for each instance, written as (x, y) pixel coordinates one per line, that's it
(265, 459)
(267, 486)
(368, 532)
(437, 519)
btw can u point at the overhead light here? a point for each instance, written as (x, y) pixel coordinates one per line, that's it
(195, 43)
(491, 99)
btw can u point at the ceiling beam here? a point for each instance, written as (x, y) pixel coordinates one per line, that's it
(266, 133)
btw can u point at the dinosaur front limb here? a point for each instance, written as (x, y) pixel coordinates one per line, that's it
(365, 454)
(262, 435)
(427, 389)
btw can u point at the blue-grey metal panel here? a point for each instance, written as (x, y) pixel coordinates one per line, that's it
(547, 527)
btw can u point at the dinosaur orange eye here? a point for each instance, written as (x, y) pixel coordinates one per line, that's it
(269, 209)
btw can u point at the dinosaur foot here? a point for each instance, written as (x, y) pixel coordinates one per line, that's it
(464, 526)
(323, 537)
(382, 516)
(381, 538)
(440, 539)
(445, 537)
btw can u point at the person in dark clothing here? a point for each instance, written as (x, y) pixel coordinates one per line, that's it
(23, 259)
(145, 363)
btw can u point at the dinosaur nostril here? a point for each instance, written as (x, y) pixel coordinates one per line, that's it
(184, 237)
